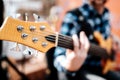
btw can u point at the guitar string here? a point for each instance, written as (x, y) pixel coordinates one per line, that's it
(52, 33)
(60, 40)
(43, 35)
(65, 44)
(53, 38)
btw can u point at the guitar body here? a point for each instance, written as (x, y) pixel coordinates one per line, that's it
(106, 44)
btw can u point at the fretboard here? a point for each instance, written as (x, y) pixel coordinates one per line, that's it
(67, 42)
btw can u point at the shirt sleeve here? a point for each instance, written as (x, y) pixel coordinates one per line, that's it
(68, 28)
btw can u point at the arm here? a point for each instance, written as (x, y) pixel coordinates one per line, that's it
(63, 60)
(75, 58)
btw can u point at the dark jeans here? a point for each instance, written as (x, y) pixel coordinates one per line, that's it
(81, 74)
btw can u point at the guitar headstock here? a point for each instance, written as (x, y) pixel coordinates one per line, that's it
(32, 34)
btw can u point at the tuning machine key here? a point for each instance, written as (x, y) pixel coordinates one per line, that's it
(38, 18)
(24, 35)
(20, 28)
(32, 28)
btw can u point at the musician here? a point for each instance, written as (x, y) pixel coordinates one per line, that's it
(96, 16)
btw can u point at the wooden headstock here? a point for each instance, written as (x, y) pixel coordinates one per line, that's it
(31, 34)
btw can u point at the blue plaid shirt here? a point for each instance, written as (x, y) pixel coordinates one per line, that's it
(71, 26)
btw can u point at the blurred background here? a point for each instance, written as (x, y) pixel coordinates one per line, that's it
(52, 11)
(45, 8)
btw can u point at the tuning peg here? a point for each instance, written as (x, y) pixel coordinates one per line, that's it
(38, 18)
(25, 17)
(30, 52)
(27, 51)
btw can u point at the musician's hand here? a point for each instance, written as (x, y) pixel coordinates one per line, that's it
(76, 58)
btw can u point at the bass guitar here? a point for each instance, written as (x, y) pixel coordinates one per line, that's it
(40, 36)
(106, 44)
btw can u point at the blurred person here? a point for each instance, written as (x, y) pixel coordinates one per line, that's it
(91, 16)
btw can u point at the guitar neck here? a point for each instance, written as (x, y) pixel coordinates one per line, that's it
(40, 36)
(67, 42)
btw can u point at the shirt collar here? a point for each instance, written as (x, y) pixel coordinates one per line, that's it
(89, 9)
